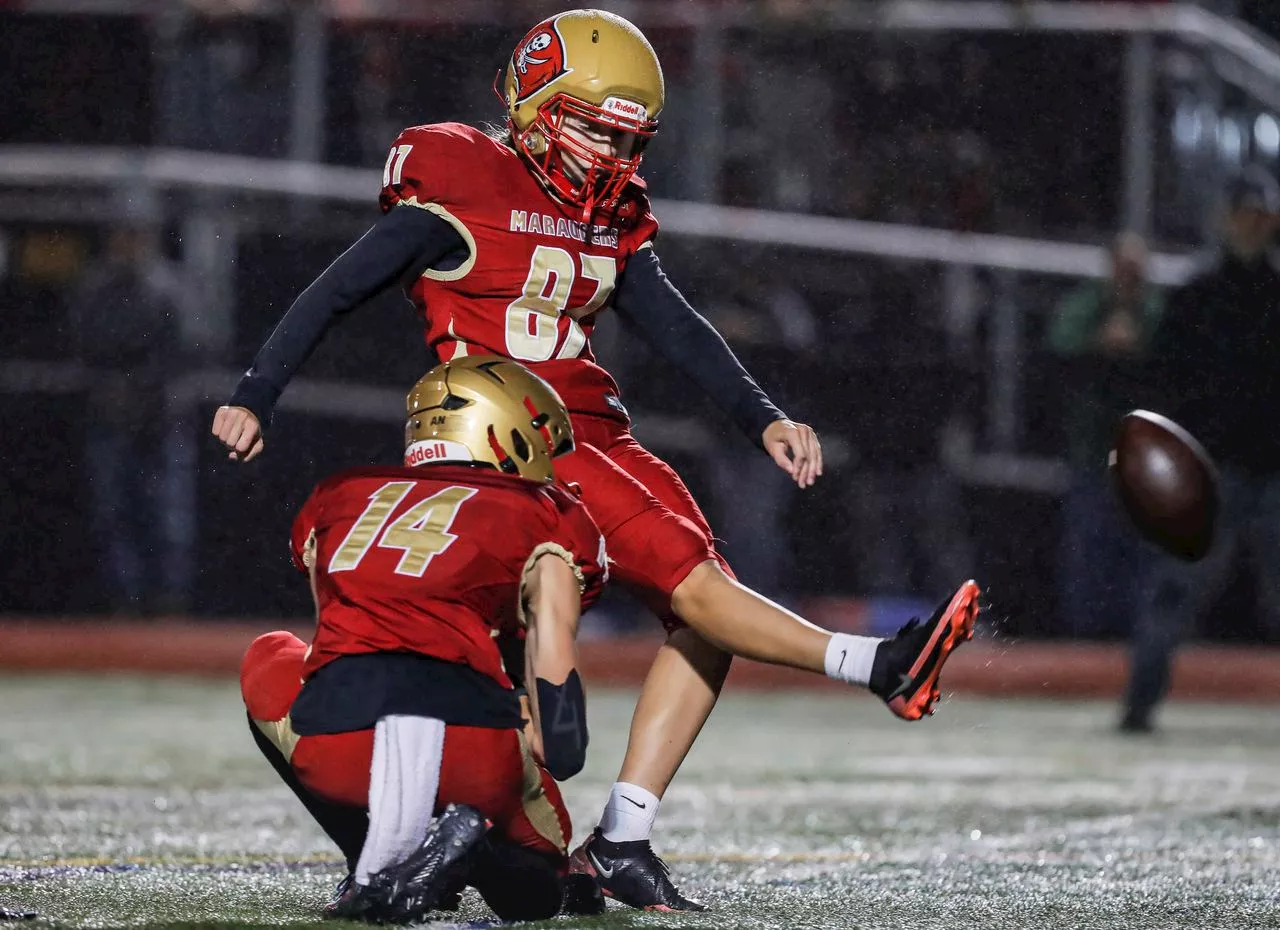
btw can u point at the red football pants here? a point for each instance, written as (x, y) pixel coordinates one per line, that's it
(654, 531)
(489, 769)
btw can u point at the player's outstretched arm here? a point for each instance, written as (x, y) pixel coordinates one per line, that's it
(552, 599)
(654, 309)
(403, 242)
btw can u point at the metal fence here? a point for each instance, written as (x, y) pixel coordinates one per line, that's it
(909, 201)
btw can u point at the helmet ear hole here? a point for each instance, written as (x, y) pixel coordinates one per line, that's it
(489, 411)
(505, 464)
(520, 447)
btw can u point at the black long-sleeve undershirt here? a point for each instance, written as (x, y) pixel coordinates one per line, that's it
(652, 308)
(408, 240)
(400, 245)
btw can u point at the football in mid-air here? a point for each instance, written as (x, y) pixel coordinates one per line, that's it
(1166, 482)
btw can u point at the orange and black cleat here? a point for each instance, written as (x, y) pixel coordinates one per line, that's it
(906, 668)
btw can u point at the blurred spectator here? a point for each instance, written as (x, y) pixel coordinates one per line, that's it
(375, 96)
(772, 329)
(125, 318)
(225, 81)
(791, 170)
(1218, 351)
(897, 386)
(1101, 330)
(973, 186)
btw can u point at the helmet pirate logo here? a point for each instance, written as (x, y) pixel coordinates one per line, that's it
(538, 43)
(539, 60)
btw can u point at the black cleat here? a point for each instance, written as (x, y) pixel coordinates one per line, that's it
(628, 872)
(357, 902)
(14, 913)
(582, 895)
(451, 896)
(904, 673)
(351, 901)
(432, 876)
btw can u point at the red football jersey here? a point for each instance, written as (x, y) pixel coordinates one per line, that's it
(430, 559)
(536, 276)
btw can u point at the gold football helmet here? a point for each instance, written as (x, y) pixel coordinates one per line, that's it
(594, 69)
(488, 410)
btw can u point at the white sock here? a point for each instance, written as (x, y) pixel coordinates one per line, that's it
(630, 813)
(849, 658)
(407, 752)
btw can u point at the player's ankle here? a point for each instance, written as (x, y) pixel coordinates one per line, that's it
(619, 849)
(629, 814)
(882, 679)
(850, 658)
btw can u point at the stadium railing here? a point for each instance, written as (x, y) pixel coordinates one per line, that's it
(986, 293)
(248, 193)
(1123, 115)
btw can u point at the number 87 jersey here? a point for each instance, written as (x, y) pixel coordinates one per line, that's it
(532, 277)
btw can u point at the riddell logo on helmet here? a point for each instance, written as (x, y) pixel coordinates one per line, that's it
(626, 108)
(436, 450)
(539, 60)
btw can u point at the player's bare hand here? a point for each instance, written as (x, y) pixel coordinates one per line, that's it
(238, 429)
(795, 447)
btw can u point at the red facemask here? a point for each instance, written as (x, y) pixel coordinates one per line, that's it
(605, 175)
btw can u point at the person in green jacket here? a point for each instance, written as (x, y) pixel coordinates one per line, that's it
(1102, 331)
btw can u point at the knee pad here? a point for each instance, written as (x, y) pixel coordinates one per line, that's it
(271, 674)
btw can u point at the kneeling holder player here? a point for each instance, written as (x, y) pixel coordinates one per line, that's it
(399, 727)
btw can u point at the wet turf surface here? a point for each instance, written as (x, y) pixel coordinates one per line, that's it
(142, 802)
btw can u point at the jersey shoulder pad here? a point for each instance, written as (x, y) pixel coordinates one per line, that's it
(636, 223)
(338, 480)
(564, 500)
(578, 532)
(434, 163)
(333, 493)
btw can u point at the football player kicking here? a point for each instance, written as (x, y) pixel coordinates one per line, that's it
(398, 726)
(512, 243)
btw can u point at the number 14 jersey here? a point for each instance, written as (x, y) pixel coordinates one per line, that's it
(535, 276)
(431, 560)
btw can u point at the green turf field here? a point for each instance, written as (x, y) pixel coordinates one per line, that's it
(136, 802)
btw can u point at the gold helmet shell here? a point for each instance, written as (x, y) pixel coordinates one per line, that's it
(589, 55)
(599, 69)
(488, 410)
